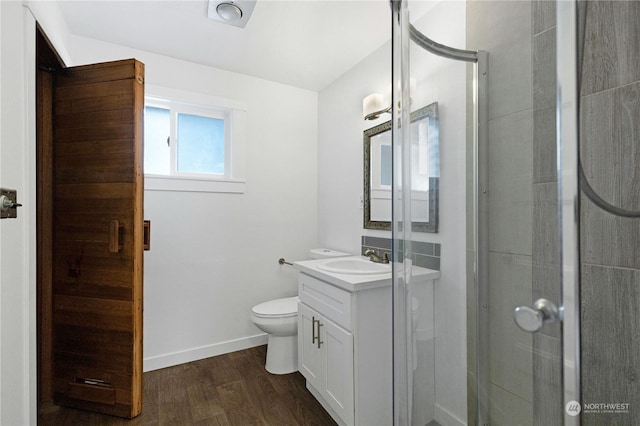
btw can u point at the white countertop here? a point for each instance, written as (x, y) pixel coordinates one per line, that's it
(358, 282)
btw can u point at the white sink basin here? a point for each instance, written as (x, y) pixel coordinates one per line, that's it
(360, 266)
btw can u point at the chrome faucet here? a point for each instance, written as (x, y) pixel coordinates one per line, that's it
(371, 254)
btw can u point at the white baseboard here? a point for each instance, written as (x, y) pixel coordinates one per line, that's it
(445, 417)
(175, 358)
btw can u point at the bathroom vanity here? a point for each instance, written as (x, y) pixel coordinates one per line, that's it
(345, 336)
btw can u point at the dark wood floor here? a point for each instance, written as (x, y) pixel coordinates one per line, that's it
(232, 389)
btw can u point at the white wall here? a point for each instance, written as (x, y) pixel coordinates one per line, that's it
(340, 182)
(340, 150)
(214, 255)
(17, 152)
(444, 81)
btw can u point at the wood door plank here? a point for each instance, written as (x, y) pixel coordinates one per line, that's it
(93, 90)
(110, 131)
(100, 291)
(97, 277)
(102, 103)
(92, 168)
(107, 71)
(93, 191)
(77, 120)
(95, 147)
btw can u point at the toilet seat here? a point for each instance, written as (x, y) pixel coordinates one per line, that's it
(277, 308)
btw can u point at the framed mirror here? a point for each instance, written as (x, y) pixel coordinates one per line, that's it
(425, 172)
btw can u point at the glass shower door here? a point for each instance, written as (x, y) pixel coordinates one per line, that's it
(459, 356)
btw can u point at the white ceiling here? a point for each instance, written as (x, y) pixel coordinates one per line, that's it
(303, 43)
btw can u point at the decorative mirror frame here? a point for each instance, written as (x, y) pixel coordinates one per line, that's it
(431, 226)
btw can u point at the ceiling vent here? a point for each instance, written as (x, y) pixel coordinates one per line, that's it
(236, 13)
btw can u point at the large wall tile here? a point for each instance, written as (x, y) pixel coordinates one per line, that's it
(546, 255)
(606, 239)
(507, 409)
(610, 156)
(598, 152)
(544, 99)
(612, 44)
(510, 356)
(626, 136)
(548, 407)
(504, 30)
(510, 176)
(610, 342)
(544, 15)
(544, 70)
(545, 167)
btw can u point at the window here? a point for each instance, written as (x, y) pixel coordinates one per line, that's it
(193, 143)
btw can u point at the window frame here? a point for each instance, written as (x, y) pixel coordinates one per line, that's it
(233, 114)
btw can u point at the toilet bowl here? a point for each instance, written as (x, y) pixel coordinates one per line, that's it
(279, 318)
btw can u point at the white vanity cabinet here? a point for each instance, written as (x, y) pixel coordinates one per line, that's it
(325, 358)
(344, 349)
(344, 335)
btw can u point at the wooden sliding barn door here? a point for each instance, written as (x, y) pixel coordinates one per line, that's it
(97, 228)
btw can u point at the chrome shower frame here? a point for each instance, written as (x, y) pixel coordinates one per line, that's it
(400, 72)
(568, 202)
(567, 143)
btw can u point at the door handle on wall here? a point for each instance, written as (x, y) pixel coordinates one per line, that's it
(147, 235)
(116, 233)
(8, 204)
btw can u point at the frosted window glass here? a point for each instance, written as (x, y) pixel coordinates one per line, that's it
(157, 154)
(200, 144)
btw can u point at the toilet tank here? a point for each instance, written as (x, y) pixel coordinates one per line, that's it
(323, 253)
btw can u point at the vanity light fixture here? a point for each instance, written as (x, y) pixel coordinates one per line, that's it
(236, 13)
(373, 105)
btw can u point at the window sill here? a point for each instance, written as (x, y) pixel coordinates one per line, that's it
(189, 184)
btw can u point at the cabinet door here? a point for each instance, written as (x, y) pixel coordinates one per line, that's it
(310, 362)
(337, 344)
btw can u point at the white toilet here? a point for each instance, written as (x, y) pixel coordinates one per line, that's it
(279, 318)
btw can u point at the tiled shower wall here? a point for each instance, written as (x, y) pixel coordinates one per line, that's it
(505, 30)
(525, 370)
(610, 246)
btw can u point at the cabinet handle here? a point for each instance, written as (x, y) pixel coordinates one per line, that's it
(313, 330)
(319, 342)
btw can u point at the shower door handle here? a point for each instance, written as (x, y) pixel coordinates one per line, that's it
(532, 318)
